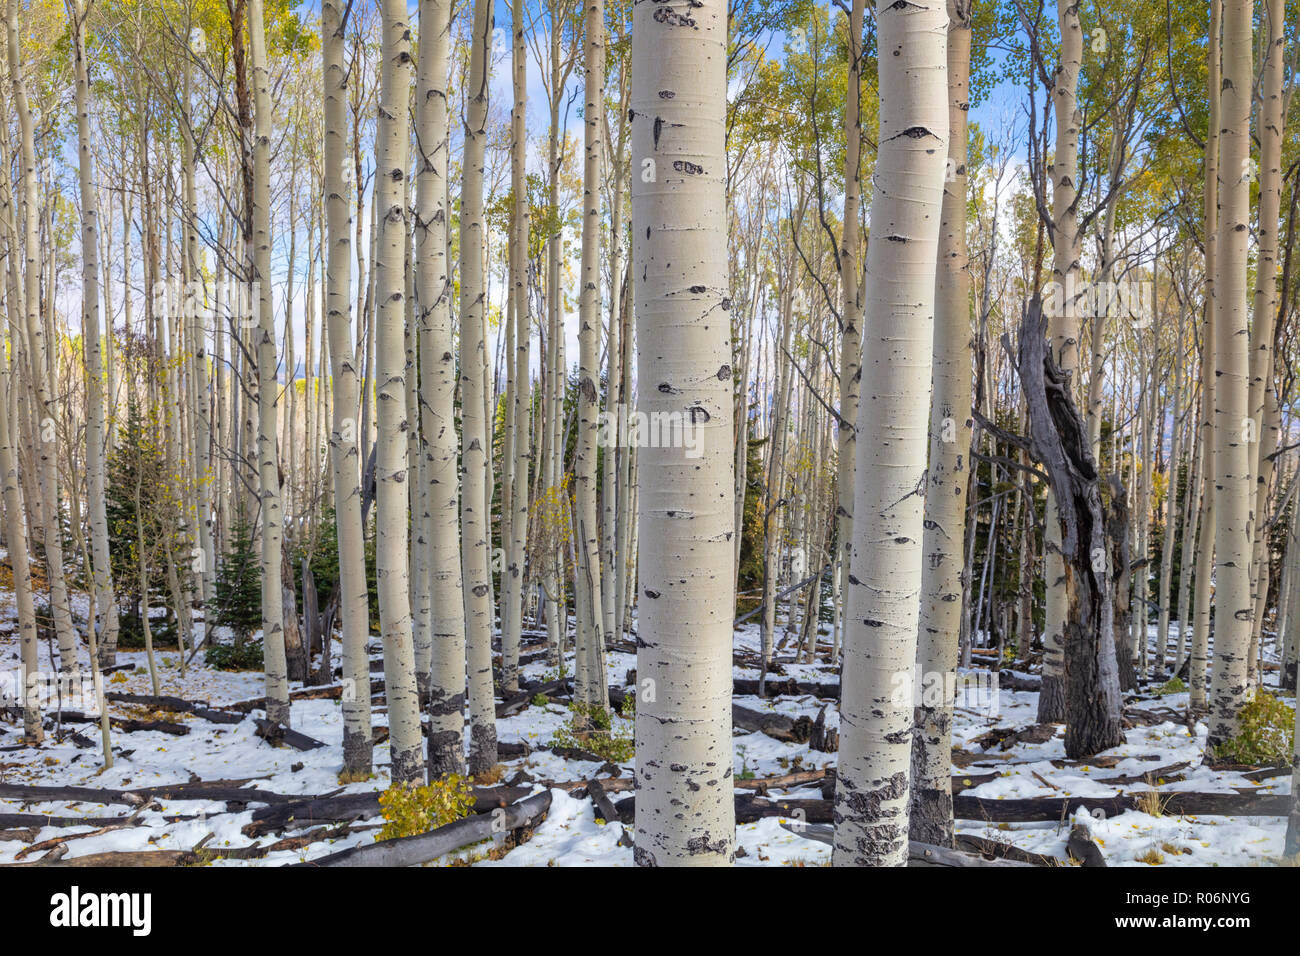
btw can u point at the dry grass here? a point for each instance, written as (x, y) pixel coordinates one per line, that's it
(489, 777)
(1153, 857)
(1152, 803)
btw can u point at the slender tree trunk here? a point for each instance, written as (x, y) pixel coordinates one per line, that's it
(1291, 847)
(1263, 406)
(44, 382)
(514, 504)
(475, 450)
(1288, 623)
(438, 388)
(105, 601)
(392, 502)
(1198, 699)
(685, 807)
(353, 593)
(943, 576)
(16, 543)
(880, 638)
(1166, 594)
(850, 301)
(1235, 489)
(268, 457)
(590, 640)
(1063, 327)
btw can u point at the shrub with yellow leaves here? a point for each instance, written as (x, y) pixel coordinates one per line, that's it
(408, 811)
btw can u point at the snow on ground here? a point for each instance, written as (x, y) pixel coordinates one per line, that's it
(572, 834)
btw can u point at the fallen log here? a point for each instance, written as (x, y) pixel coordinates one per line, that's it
(1266, 773)
(1177, 803)
(217, 790)
(276, 734)
(1082, 848)
(122, 858)
(750, 808)
(35, 821)
(776, 726)
(523, 698)
(126, 724)
(925, 854)
(999, 850)
(310, 811)
(783, 781)
(604, 806)
(1151, 777)
(959, 782)
(319, 692)
(424, 847)
(53, 842)
(162, 702)
(1004, 738)
(789, 687)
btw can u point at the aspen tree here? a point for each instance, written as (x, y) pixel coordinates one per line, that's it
(591, 641)
(944, 575)
(1166, 594)
(514, 502)
(354, 598)
(41, 369)
(268, 456)
(774, 504)
(850, 299)
(1291, 847)
(1289, 623)
(615, 452)
(475, 449)
(437, 391)
(685, 804)
(392, 502)
(1262, 399)
(883, 601)
(16, 540)
(1197, 700)
(1063, 325)
(1234, 487)
(105, 601)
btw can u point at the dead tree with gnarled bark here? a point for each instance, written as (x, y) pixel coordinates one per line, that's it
(1058, 441)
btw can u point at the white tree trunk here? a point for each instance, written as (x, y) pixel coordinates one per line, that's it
(850, 372)
(883, 601)
(105, 602)
(1063, 325)
(685, 800)
(1263, 406)
(43, 373)
(1197, 700)
(587, 576)
(268, 457)
(944, 575)
(353, 593)
(438, 388)
(475, 449)
(1234, 484)
(392, 501)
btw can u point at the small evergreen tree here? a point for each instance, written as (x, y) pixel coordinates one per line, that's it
(237, 594)
(137, 470)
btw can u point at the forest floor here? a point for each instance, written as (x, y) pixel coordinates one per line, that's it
(1161, 753)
